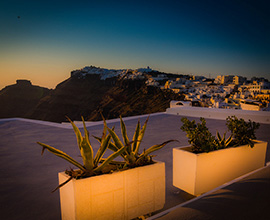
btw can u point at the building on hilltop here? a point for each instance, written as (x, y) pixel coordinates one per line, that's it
(23, 82)
(239, 80)
(224, 79)
(258, 87)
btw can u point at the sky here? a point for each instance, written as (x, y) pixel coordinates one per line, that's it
(43, 41)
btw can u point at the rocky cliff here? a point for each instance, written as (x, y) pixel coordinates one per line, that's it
(92, 90)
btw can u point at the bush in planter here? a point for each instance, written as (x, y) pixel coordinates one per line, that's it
(199, 136)
(202, 140)
(91, 165)
(243, 132)
(199, 173)
(132, 157)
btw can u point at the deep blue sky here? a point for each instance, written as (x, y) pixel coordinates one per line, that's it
(51, 38)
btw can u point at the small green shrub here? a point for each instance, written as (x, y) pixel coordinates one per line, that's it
(198, 135)
(202, 140)
(243, 132)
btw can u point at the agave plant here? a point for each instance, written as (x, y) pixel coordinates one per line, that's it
(92, 165)
(131, 155)
(223, 142)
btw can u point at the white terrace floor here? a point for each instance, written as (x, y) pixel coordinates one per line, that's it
(27, 178)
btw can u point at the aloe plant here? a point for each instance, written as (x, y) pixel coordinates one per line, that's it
(92, 165)
(223, 142)
(131, 155)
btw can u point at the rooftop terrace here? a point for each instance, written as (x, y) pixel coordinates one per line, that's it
(27, 178)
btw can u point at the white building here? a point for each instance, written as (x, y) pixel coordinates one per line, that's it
(257, 87)
(239, 80)
(224, 79)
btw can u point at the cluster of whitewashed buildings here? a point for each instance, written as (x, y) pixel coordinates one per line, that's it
(223, 92)
(110, 73)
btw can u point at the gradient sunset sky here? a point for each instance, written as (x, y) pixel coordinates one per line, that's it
(43, 41)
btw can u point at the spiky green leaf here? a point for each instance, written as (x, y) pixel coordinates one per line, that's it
(104, 126)
(77, 132)
(218, 136)
(155, 147)
(140, 136)
(116, 139)
(112, 147)
(135, 136)
(124, 134)
(87, 154)
(87, 150)
(103, 147)
(229, 140)
(61, 154)
(109, 159)
(86, 132)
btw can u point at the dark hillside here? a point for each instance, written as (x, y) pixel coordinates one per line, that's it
(18, 99)
(87, 94)
(133, 97)
(73, 98)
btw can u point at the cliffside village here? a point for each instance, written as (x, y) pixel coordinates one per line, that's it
(225, 91)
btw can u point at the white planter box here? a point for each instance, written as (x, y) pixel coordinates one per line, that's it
(120, 195)
(199, 173)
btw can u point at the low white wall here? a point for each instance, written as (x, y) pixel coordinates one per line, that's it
(79, 124)
(222, 114)
(35, 121)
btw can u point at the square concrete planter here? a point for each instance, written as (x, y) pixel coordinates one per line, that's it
(120, 195)
(200, 173)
